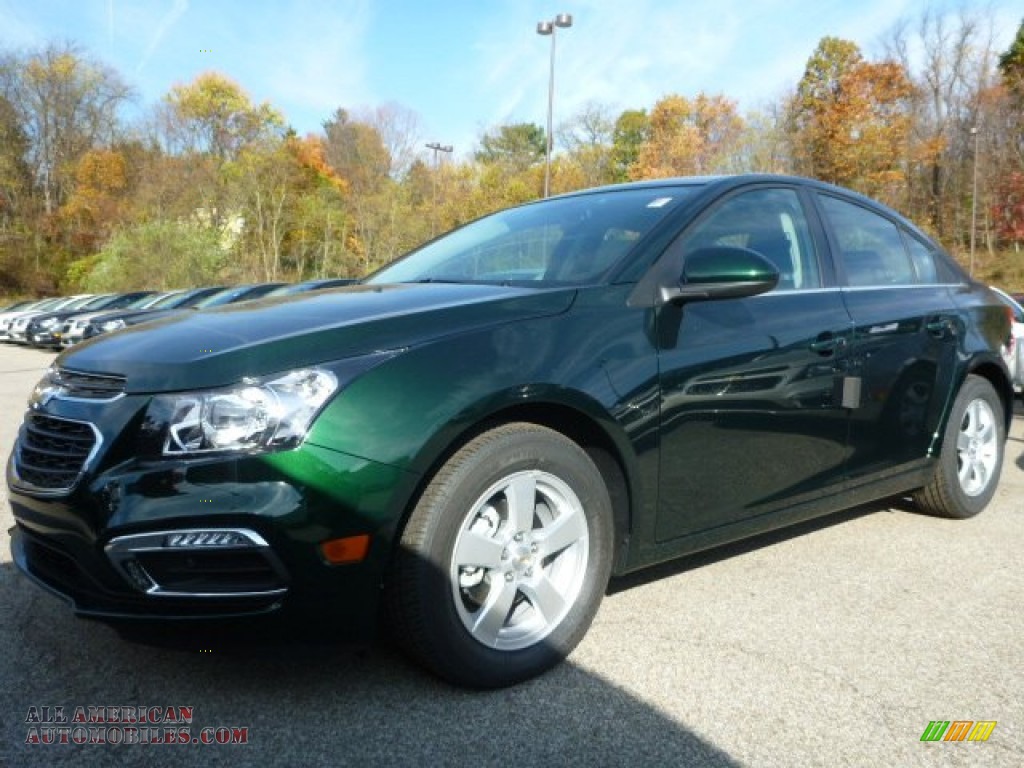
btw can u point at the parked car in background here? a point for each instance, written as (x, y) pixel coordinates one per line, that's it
(238, 293)
(210, 298)
(114, 321)
(12, 311)
(18, 326)
(73, 328)
(1014, 350)
(15, 306)
(312, 285)
(684, 363)
(43, 330)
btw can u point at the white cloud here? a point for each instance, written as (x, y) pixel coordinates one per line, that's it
(167, 22)
(324, 73)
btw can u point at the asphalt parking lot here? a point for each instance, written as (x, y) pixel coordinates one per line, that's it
(831, 644)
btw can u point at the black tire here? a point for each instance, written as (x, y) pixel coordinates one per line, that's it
(968, 469)
(539, 568)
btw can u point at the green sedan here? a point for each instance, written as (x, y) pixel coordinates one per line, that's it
(471, 442)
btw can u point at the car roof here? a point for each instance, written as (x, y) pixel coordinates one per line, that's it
(719, 184)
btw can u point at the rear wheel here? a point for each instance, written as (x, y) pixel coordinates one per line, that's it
(972, 454)
(505, 558)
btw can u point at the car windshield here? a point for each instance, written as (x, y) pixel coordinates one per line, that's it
(187, 298)
(144, 302)
(81, 301)
(98, 302)
(577, 239)
(167, 300)
(47, 304)
(18, 305)
(227, 296)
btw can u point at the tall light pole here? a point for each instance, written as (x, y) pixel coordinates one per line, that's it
(974, 197)
(563, 20)
(437, 147)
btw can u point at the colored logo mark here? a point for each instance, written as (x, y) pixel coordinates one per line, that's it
(958, 730)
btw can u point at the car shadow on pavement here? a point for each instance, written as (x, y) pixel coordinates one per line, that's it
(307, 700)
(726, 551)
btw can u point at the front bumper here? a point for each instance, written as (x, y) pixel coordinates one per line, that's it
(43, 338)
(215, 537)
(71, 336)
(85, 580)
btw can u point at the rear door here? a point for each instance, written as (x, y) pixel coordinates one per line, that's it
(903, 351)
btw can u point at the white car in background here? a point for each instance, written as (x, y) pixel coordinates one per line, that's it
(1013, 353)
(73, 329)
(17, 326)
(12, 313)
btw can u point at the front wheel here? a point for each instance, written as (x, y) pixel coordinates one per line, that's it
(972, 454)
(505, 558)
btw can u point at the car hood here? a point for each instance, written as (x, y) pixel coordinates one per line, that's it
(216, 347)
(131, 316)
(87, 316)
(59, 315)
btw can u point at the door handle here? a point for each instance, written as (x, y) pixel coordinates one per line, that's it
(938, 326)
(826, 344)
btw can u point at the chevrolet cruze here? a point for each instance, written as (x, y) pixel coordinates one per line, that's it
(471, 442)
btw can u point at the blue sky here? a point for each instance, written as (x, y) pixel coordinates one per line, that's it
(466, 65)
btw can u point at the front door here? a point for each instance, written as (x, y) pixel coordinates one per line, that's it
(752, 415)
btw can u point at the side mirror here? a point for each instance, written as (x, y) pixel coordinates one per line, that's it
(722, 272)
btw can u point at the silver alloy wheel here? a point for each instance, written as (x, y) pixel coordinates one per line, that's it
(977, 447)
(519, 561)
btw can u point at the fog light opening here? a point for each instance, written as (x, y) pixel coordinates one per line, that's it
(138, 574)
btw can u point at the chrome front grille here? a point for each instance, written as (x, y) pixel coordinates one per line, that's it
(87, 386)
(51, 452)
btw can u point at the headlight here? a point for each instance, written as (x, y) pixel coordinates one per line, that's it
(111, 325)
(48, 322)
(269, 414)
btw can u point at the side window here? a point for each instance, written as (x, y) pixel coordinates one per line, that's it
(924, 261)
(870, 246)
(769, 221)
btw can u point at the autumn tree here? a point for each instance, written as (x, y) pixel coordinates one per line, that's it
(95, 207)
(1011, 66)
(588, 140)
(66, 103)
(356, 151)
(1009, 115)
(1006, 117)
(15, 172)
(214, 115)
(950, 61)
(762, 146)
(398, 128)
(15, 201)
(290, 209)
(851, 120)
(688, 137)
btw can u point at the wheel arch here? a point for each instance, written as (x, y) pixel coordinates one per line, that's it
(580, 426)
(995, 374)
